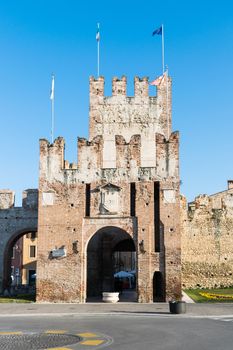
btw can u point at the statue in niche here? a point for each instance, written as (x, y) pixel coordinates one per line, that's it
(109, 199)
(102, 208)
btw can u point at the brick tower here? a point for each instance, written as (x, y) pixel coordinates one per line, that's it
(123, 195)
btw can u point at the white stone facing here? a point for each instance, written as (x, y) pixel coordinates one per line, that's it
(47, 198)
(169, 196)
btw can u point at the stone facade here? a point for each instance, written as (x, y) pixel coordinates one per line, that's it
(14, 223)
(124, 190)
(121, 196)
(207, 240)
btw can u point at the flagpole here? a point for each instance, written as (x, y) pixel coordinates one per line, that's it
(52, 116)
(163, 47)
(168, 128)
(98, 52)
(52, 109)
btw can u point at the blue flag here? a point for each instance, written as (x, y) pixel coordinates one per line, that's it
(158, 31)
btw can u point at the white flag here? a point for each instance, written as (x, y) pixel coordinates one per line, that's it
(98, 32)
(52, 89)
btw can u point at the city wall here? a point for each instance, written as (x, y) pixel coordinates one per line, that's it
(207, 240)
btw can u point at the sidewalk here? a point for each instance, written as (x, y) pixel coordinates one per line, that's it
(91, 309)
(186, 298)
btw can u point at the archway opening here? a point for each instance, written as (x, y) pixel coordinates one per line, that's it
(158, 287)
(20, 259)
(124, 259)
(111, 262)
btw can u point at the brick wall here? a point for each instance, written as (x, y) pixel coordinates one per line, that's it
(130, 143)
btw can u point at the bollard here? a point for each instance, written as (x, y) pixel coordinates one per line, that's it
(177, 307)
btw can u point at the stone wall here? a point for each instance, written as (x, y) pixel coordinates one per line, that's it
(207, 240)
(131, 149)
(125, 185)
(127, 116)
(15, 222)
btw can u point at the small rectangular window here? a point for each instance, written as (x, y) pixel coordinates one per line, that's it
(32, 251)
(88, 200)
(132, 199)
(157, 216)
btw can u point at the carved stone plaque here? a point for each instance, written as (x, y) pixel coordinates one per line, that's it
(109, 199)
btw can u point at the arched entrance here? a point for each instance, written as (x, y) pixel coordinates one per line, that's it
(104, 259)
(19, 266)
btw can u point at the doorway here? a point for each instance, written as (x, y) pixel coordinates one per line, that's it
(105, 251)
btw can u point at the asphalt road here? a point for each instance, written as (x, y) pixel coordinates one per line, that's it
(127, 332)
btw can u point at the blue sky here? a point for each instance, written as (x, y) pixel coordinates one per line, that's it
(38, 38)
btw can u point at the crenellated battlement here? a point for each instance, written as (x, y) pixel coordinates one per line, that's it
(119, 86)
(90, 153)
(59, 141)
(58, 146)
(29, 199)
(55, 148)
(220, 201)
(119, 113)
(122, 130)
(7, 199)
(96, 86)
(141, 87)
(96, 141)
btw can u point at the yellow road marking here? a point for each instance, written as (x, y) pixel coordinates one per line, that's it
(55, 331)
(15, 333)
(92, 342)
(87, 335)
(59, 349)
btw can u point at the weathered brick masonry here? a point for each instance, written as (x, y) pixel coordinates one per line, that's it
(14, 222)
(124, 190)
(207, 240)
(122, 194)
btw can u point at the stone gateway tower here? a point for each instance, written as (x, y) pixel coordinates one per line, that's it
(122, 195)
